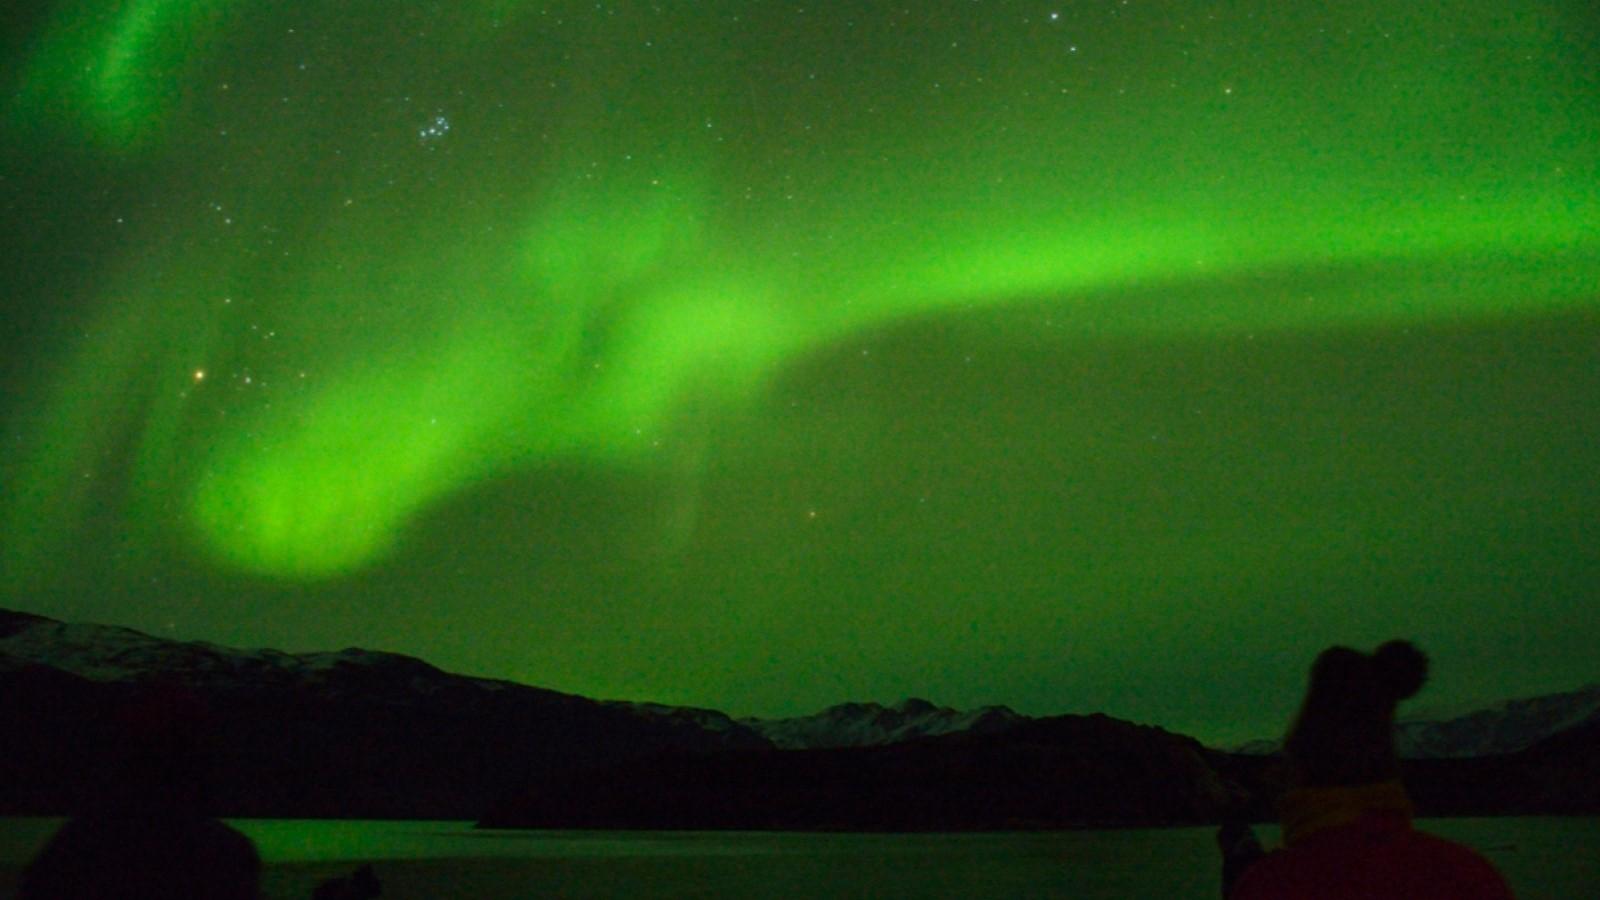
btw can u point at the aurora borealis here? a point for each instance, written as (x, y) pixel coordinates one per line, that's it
(1077, 356)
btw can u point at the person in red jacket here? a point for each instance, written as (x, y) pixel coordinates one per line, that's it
(1347, 829)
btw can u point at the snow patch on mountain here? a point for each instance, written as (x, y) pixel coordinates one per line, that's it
(707, 719)
(872, 724)
(1504, 727)
(109, 654)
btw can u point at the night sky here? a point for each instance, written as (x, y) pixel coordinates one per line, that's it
(1107, 355)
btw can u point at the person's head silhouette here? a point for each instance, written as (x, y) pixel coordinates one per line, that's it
(1344, 734)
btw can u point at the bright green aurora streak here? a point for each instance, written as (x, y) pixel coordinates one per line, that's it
(331, 265)
(619, 215)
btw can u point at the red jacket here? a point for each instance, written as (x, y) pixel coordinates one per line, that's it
(1376, 857)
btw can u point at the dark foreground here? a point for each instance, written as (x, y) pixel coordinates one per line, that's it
(1544, 859)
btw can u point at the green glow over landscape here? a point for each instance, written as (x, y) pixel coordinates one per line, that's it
(1094, 355)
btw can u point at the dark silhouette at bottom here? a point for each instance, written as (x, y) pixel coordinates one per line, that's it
(1346, 816)
(134, 856)
(143, 831)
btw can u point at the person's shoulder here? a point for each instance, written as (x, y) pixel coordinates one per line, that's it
(1272, 876)
(1454, 870)
(1473, 868)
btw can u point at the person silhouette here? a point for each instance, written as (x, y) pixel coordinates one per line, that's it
(1347, 821)
(143, 832)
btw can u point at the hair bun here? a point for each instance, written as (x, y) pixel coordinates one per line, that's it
(1401, 667)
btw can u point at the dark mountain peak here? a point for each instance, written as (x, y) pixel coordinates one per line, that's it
(1074, 772)
(13, 621)
(356, 658)
(352, 732)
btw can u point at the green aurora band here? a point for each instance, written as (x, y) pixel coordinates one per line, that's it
(368, 256)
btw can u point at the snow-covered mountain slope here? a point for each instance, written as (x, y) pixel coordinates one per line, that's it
(345, 733)
(107, 654)
(111, 654)
(871, 724)
(1505, 727)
